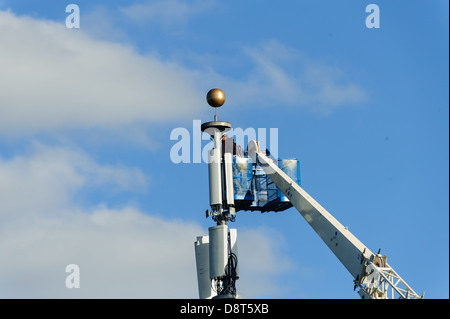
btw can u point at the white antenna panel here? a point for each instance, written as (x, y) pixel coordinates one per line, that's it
(218, 251)
(205, 290)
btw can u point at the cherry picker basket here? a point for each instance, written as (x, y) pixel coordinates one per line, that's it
(253, 188)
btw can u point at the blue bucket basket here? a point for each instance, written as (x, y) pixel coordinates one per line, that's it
(255, 191)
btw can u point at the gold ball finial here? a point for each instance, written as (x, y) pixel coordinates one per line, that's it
(215, 97)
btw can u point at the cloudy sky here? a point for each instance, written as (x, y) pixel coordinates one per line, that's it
(86, 116)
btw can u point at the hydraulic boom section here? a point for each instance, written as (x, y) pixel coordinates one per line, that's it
(371, 273)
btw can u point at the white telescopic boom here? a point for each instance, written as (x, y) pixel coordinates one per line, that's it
(351, 252)
(347, 248)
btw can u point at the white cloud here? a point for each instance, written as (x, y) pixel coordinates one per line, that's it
(121, 252)
(262, 253)
(101, 24)
(54, 77)
(284, 76)
(168, 13)
(57, 78)
(46, 179)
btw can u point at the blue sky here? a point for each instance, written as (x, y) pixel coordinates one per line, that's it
(86, 116)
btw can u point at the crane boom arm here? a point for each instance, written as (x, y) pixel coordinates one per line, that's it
(347, 248)
(370, 272)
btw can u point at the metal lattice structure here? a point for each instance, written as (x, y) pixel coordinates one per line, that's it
(381, 281)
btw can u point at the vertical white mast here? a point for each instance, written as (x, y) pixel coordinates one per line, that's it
(220, 258)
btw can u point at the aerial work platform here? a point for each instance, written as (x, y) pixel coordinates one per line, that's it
(253, 188)
(256, 181)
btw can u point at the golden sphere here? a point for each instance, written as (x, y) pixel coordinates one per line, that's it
(215, 97)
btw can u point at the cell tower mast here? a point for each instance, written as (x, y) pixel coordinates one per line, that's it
(216, 254)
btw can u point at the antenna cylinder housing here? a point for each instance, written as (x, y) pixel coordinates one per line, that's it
(218, 251)
(215, 179)
(228, 185)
